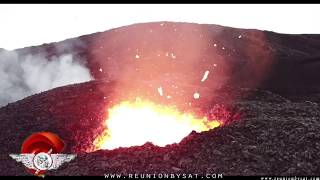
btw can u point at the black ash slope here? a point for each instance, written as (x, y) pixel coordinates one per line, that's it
(275, 137)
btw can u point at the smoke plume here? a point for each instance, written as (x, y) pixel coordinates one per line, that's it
(24, 75)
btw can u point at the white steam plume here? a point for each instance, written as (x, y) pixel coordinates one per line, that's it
(21, 76)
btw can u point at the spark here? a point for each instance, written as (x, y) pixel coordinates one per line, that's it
(100, 70)
(173, 56)
(137, 56)
(205, 76)
(196, 95)
(160, 91)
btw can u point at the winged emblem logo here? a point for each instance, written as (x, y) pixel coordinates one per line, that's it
(43, 161)
(41, 152)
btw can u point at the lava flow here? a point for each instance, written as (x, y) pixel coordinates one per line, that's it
(135, 123)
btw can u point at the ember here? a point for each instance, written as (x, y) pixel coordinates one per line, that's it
(135, 123)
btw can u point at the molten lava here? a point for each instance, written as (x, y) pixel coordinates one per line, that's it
(135, 123)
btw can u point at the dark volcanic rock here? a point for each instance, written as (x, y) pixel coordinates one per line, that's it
(274, 137)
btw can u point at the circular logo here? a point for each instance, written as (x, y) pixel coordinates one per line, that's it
(41, 152)
(42, 144)
(42, 161)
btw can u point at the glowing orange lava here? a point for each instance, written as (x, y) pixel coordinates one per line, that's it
(135, 123)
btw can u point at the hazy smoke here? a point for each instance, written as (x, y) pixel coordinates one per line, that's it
(21, 76)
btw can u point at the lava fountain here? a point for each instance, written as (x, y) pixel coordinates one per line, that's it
(135, 123)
